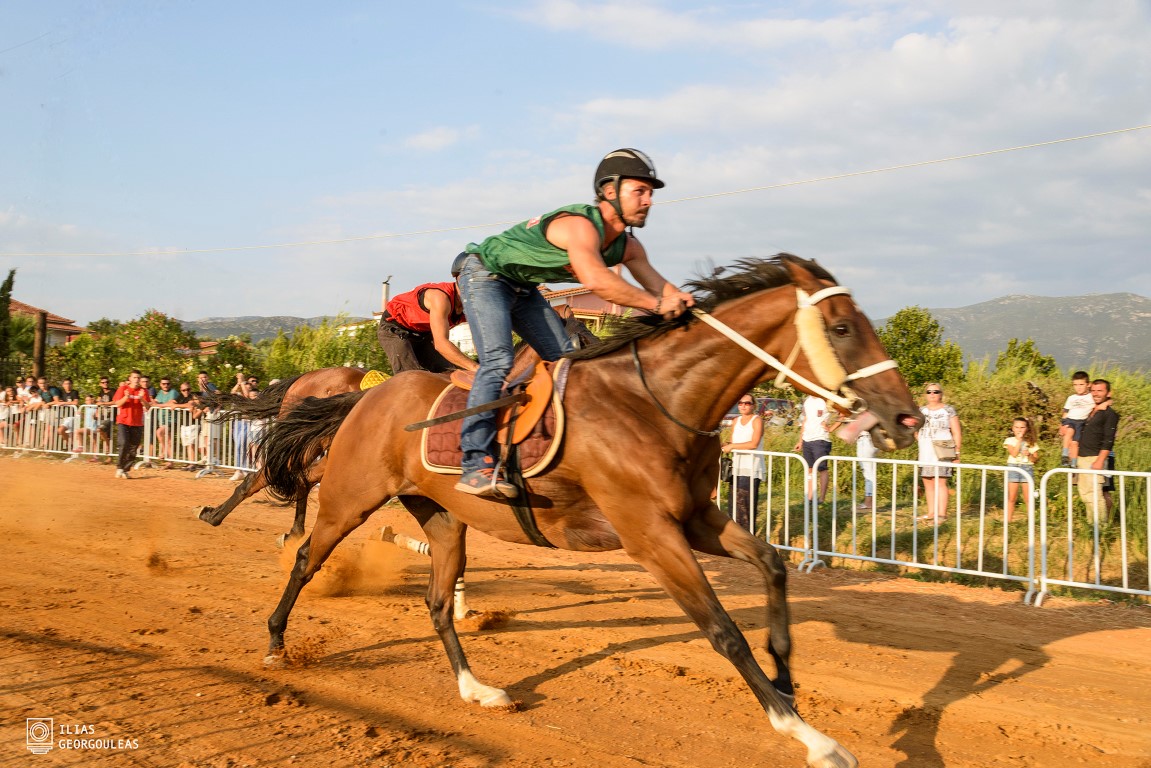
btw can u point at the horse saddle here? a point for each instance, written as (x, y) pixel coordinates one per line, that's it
(535, 427)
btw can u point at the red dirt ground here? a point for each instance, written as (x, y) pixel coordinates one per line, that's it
(125, 618)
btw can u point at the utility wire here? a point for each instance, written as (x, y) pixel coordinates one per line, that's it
(394, 235)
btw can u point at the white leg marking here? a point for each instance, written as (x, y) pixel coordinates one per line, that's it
(484, 695)
(822, 751)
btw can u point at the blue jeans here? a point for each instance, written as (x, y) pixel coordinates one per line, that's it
(496, 306)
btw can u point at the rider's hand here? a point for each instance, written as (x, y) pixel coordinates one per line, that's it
(675, 303)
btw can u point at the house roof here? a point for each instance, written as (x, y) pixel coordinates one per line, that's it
(55, 322)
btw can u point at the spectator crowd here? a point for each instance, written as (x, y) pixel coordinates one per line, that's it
(1087, 442)
(184, 429)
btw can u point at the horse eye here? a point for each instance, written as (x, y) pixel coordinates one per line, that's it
(841, 329)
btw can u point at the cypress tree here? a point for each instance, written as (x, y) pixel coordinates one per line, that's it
(6, 315)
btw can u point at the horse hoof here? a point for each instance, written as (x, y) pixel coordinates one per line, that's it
(281, 540)
(277, 660)
(496, 699)
(205, 514)
(387, 534)
(837, 758)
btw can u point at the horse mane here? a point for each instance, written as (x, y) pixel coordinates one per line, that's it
(722, 285)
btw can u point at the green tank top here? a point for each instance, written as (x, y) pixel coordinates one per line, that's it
(524, 254)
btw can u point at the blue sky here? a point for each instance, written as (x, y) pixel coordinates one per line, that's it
(150, 128)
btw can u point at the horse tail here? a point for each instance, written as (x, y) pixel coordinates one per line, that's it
(293, 442)
(266, 406)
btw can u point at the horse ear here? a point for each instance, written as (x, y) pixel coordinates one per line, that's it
(798, 269)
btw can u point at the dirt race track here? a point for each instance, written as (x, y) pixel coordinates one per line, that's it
(126, 620)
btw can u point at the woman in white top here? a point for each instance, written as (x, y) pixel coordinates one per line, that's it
(940, 422)
(747, 472)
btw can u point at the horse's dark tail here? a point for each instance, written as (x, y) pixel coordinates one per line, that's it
(294, 441)
(266, 406)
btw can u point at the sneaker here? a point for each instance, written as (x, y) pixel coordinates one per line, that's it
(483, 482)
(237, 476)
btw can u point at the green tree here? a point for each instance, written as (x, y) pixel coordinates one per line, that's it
(1023, 357)
(154, 343)
(21, 335)
(6, 314)
(914, 339)
(234, 355)
(104, 326)
(332, 343)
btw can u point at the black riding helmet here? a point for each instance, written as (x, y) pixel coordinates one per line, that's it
(622, 164)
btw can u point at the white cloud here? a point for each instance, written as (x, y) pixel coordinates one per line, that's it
(439, 138)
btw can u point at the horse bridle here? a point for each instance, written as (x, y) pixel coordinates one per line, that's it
(811, 332)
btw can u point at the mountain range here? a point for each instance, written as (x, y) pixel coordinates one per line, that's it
(1109, 328)
(1100, 328)
(259, 328)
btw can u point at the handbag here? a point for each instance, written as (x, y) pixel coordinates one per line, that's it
(945, 450)
(725, 468)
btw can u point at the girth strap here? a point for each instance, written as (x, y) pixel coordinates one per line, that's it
(521, 505)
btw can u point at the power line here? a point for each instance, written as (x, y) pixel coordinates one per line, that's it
(395, 235)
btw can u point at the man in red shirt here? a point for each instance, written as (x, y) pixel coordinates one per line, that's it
(130, 399)
(414, 330)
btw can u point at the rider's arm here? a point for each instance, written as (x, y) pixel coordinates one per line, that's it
(439, 306)
(637, 263)
(578, 236)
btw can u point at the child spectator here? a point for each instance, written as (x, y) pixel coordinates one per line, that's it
(87, 434)
(1021, 449)
(10, 411)
(1076, 409)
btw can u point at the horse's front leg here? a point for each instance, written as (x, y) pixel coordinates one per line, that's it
(713, 532)
(447, 540)
(333, 524)
(663, 550)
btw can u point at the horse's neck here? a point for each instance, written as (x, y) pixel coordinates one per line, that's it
(700, 373)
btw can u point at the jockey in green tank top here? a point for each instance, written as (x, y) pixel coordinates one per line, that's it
(499, 283)
(524, 254)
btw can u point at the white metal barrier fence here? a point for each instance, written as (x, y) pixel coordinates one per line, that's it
(975, 541)
(1050, 529)
(971, 536)
(783, 517)
(171, 436)
(1115, 561)
(209, 443)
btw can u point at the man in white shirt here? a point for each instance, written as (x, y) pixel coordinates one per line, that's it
(815, 440)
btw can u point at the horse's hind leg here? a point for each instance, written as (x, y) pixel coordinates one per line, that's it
(297, 530)
(421, 548)
(666, 554)
(332, 526)
(714, 533)
(447, 539)
(252, 484)
(314, 475)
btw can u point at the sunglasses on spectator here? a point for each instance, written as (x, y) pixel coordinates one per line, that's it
(165, 383)
(933, 392)
(185, 389)
(745, 402)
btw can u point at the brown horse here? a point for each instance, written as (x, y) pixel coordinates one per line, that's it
(635, 470)
(272, 403)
